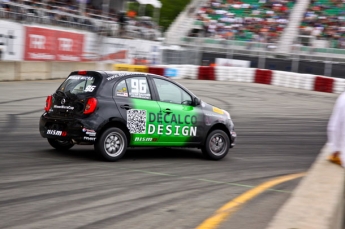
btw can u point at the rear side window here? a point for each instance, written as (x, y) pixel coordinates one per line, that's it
(121, 89)
(76, 84)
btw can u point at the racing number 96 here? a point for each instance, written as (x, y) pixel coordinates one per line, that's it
(138, 86)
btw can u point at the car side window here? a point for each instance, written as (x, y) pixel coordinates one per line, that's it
(170, 93)
(138, 88)
(121, 89)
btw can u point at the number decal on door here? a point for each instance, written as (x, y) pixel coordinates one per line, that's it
(138, 88)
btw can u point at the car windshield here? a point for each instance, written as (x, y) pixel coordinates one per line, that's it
(76, 84)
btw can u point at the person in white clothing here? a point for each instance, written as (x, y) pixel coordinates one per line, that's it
(336, 132)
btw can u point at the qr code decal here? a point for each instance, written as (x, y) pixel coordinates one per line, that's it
(136, 121)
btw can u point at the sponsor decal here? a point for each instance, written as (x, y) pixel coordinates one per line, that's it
(172, 130)
(217, 110)
(136, 121)
(81, 77)
(173, 118)
(122, 92)
(120, 74)
(171, 72)
(140, 139)
(89, 132)
(51, 44)
(173, 124)
(112, 77)
(57, 133)
(64, 107)
(90, 138)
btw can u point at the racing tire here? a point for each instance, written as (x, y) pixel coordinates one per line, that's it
(112, 144)
(216, 146)
(60, 145)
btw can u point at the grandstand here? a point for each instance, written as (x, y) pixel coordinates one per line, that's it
(280, 28)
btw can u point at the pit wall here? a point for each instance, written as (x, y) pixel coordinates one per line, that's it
(31, 70)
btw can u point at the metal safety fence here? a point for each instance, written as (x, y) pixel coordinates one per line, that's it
(301, 59)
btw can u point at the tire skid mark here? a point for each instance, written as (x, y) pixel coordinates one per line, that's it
(111, 195)
(148, 208)
(11, 125)
(112, 219)
(20, 100)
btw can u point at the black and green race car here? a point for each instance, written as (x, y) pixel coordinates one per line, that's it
(114, 110)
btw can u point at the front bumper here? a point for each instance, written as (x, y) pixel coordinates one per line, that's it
(233, 137)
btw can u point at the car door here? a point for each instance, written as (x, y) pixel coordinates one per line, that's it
(181, 120)
(133, 98)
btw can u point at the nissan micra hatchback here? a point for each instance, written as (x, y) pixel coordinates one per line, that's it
(114, 110)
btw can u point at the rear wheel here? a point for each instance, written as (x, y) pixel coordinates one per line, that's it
(112, 144)
(216, 146)
(60, 145)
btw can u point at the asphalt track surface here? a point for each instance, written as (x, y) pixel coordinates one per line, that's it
(280, 132)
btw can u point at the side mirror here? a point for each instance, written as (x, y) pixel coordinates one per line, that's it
(196, 101)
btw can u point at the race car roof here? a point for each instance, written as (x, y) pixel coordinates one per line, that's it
(113, 74)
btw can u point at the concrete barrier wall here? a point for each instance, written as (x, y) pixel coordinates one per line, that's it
(318, 200)
(60, 70)
(8, 70)
(37, 70)
(33, 70)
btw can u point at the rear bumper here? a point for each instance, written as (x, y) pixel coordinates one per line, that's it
(77, 130)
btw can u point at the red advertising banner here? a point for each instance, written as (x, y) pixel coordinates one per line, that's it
(43, 44)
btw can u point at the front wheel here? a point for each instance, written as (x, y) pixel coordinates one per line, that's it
(60, 145)
(112, 144)
(216, 146)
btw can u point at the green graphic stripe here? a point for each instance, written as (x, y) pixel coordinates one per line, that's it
(166, 129)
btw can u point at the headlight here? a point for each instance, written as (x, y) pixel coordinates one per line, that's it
(227, 114)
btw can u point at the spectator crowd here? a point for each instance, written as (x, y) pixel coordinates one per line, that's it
(246, 20)
(325, 20)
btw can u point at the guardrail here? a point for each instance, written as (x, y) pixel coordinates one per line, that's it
(256, 75)
(48, 70)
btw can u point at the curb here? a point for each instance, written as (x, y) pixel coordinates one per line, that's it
(318, 200)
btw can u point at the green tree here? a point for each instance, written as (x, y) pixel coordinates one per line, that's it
(168, 13)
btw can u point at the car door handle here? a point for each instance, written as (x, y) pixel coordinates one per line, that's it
(168, 111)
(126, 106)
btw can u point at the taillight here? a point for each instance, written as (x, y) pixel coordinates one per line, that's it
(82, 72)
(91, 105)
(48, 103)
